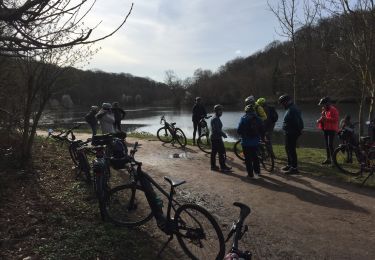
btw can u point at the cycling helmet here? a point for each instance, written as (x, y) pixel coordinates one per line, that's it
(115, 104)
(284, 99)
(218, 107)
(261, 101)
(106, 106)
(324, 101)
(249, 100)
(198, 98)
(94, 108)
(249, 108)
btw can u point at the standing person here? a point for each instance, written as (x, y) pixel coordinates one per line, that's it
(217, 135)
(250, 100)
(269, 123)
(198, 112)
(91, 119)
(292, 126)
(250, 129)
(119, 114)
(106, 118)
(329, 123)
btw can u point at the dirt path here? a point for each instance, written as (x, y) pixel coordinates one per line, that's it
(293, 217)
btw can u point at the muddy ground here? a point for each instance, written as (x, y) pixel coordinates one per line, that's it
(293, 217)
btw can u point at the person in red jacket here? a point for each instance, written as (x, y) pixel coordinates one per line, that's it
(329, 123)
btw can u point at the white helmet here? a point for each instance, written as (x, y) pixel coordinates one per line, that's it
(249, 100)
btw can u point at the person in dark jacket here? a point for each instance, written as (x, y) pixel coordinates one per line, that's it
(217, 135)
(91, 119)
(198, 112)
(292, 126)
(119, 114)
(251, 129)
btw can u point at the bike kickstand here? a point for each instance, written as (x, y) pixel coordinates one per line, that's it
(165, 245)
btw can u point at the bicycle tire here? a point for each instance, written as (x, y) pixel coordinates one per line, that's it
(191, 234)
(73, 153)
(168, 136)
(344, 163)
(237, 148)
(266, 157)
(204, 143)
(117, 208)
(100, 190)
(180, 137)
(84, 166)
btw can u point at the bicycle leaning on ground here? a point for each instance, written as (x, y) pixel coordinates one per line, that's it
(265, 154)
(355, 158)
(136, 202)
(204, 141)
(236, 229)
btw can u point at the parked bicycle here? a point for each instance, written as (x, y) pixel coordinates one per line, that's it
(170, 134)
(67, 137)
(136, 202)
(265, 154)
(355, 158)
(204, 141)
(235, 253)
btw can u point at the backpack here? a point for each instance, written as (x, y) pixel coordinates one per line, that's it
(118, 152)
(272, 114)
(252, 128)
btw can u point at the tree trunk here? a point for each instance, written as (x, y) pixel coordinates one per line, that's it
(360, 112)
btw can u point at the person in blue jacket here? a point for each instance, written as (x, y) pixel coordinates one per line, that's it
(251, 130)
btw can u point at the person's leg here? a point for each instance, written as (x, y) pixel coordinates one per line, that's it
(195, 126)
(255, 159)
(119, 125)
(268, 136)
(287, 150)
(248, 160)
(293, 150)
(213, 153)
(331, 139)
(221, 151)
(326, 142)
(199, 129)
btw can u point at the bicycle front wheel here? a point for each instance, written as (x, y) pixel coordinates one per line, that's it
(164, 135)
(198, 233)
(127, 206)
(180, 137)
(266, 157)
(238, 150)
(73, 153)
(346, 159)
(204, 143)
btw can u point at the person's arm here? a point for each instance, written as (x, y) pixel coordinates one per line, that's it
(123, 113)
(332, 116)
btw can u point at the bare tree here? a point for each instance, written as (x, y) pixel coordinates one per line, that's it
(286, 12)
(21, 23)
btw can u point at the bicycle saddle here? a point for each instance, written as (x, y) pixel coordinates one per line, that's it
(365, 138)
(173, 124)
(174, 183)
(245, 210)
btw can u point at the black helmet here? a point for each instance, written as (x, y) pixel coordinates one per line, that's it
(324, 101)
(284, 98)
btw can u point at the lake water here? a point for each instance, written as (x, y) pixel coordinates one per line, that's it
(147, 119)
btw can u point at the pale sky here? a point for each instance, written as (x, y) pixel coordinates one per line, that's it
(179, 35)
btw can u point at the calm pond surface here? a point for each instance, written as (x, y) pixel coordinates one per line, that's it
(147, 119)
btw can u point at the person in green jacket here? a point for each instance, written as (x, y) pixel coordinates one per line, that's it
(250, 100)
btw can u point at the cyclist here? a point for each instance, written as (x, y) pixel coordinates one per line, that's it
(91, 119)
(106, 118)
(119, 114)
(329, 123)
(292, 126)
(216, 140)
(250, 129)
(250, 100)
(198, 112)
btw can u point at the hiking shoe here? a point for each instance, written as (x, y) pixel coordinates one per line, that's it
(226, 168)
(214, 168)
(327, 161)
(254, 177)
(292, 170)
(286, 168)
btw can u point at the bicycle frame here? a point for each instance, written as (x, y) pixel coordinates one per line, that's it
(169, 126)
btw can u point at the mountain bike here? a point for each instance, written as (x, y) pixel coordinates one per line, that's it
(136, 202)
(204, 141)
(265, 155)
(170, 134)
(69, 138)
(236, 229)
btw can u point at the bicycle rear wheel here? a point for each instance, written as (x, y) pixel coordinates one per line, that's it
(198, 233)
(266, 157)
(238, 150)
(204, 143)
(127, 206)
(101, 193)
(164, 135)
(73, 153)
(346, 159)
(180, 137)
